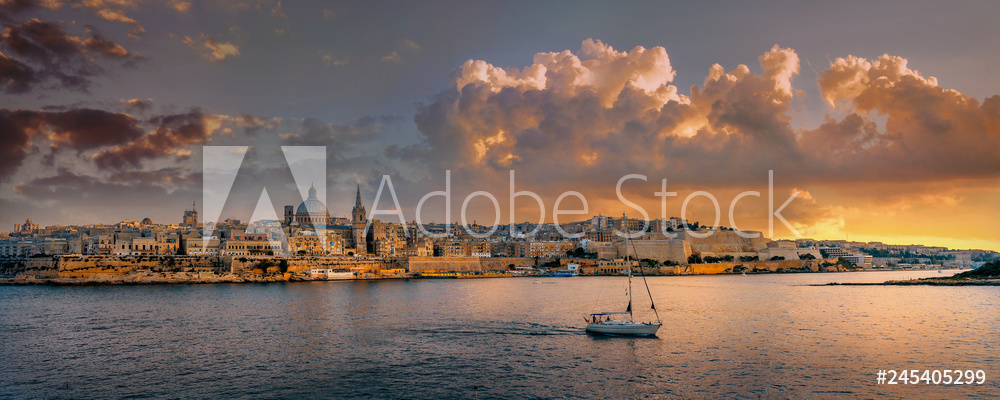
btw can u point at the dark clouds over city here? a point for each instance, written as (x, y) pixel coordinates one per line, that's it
(883, 125)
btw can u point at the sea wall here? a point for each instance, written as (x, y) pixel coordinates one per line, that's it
(40, 267)
(109, 267)
(504, 263)
(242, 264)
(466, 264)
(95, 266)
(444, 264)
(759, 266)
(86, 266)
(78, 266)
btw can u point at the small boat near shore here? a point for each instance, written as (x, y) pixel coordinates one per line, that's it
(570, 271)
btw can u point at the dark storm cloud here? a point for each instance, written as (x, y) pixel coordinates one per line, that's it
(86, 129)
(8, 7)
(77, 129)
(108, 10)
(119, 142)
(117, 145)
(170, 137)
(175, 134)
(35, 53)
(17, 126)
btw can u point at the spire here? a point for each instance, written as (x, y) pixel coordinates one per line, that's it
(194, 205)
(357, 200)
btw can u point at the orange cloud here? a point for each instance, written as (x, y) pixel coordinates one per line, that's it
(581, 120)
(180, 6)
(212, 50)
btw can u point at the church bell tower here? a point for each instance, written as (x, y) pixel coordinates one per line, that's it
(359, 220)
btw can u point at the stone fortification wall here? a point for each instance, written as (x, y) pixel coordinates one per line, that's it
(466, 264)
(772, 266)
(723, 242)
(675, 250)
(77, 266)
(40, 267)
(444, 264)
(788, 253)
(86, 266)
(240, 264)
(503, 263)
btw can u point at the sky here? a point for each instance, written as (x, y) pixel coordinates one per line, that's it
(883, 116)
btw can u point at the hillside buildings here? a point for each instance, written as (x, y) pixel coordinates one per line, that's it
(308, 229)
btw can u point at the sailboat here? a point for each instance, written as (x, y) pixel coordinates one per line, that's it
(603, 322)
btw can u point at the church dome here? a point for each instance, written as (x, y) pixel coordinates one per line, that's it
(312, 205)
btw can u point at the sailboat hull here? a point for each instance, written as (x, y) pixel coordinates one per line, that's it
(623, 328)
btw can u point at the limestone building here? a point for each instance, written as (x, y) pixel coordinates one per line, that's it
(336, 236)
(190, 219)
(26, 229)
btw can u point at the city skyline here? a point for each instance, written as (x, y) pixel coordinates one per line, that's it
(883, 132)
(458, 230)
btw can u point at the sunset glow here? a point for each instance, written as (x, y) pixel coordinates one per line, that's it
(891, 133)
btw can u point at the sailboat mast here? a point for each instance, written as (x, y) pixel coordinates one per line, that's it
(628, 264)
(652, 304)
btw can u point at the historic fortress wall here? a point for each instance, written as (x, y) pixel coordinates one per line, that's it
(239, 264)
(680, 248)
(40, 267)
(504, 263)
(675, 250)
(75, 266)
(444, 264)
(732, 267)
(110, 267)
(723, 242)
(466, 264)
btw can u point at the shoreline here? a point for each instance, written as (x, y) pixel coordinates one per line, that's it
(31, 280)
(921, 282)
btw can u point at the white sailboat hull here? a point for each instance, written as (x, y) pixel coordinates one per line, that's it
(623, 328)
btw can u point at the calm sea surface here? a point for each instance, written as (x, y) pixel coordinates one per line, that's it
(757, 336)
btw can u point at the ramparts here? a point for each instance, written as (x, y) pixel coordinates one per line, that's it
(238, 265)
(86, 266)
(754, 266)
(466, 264)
